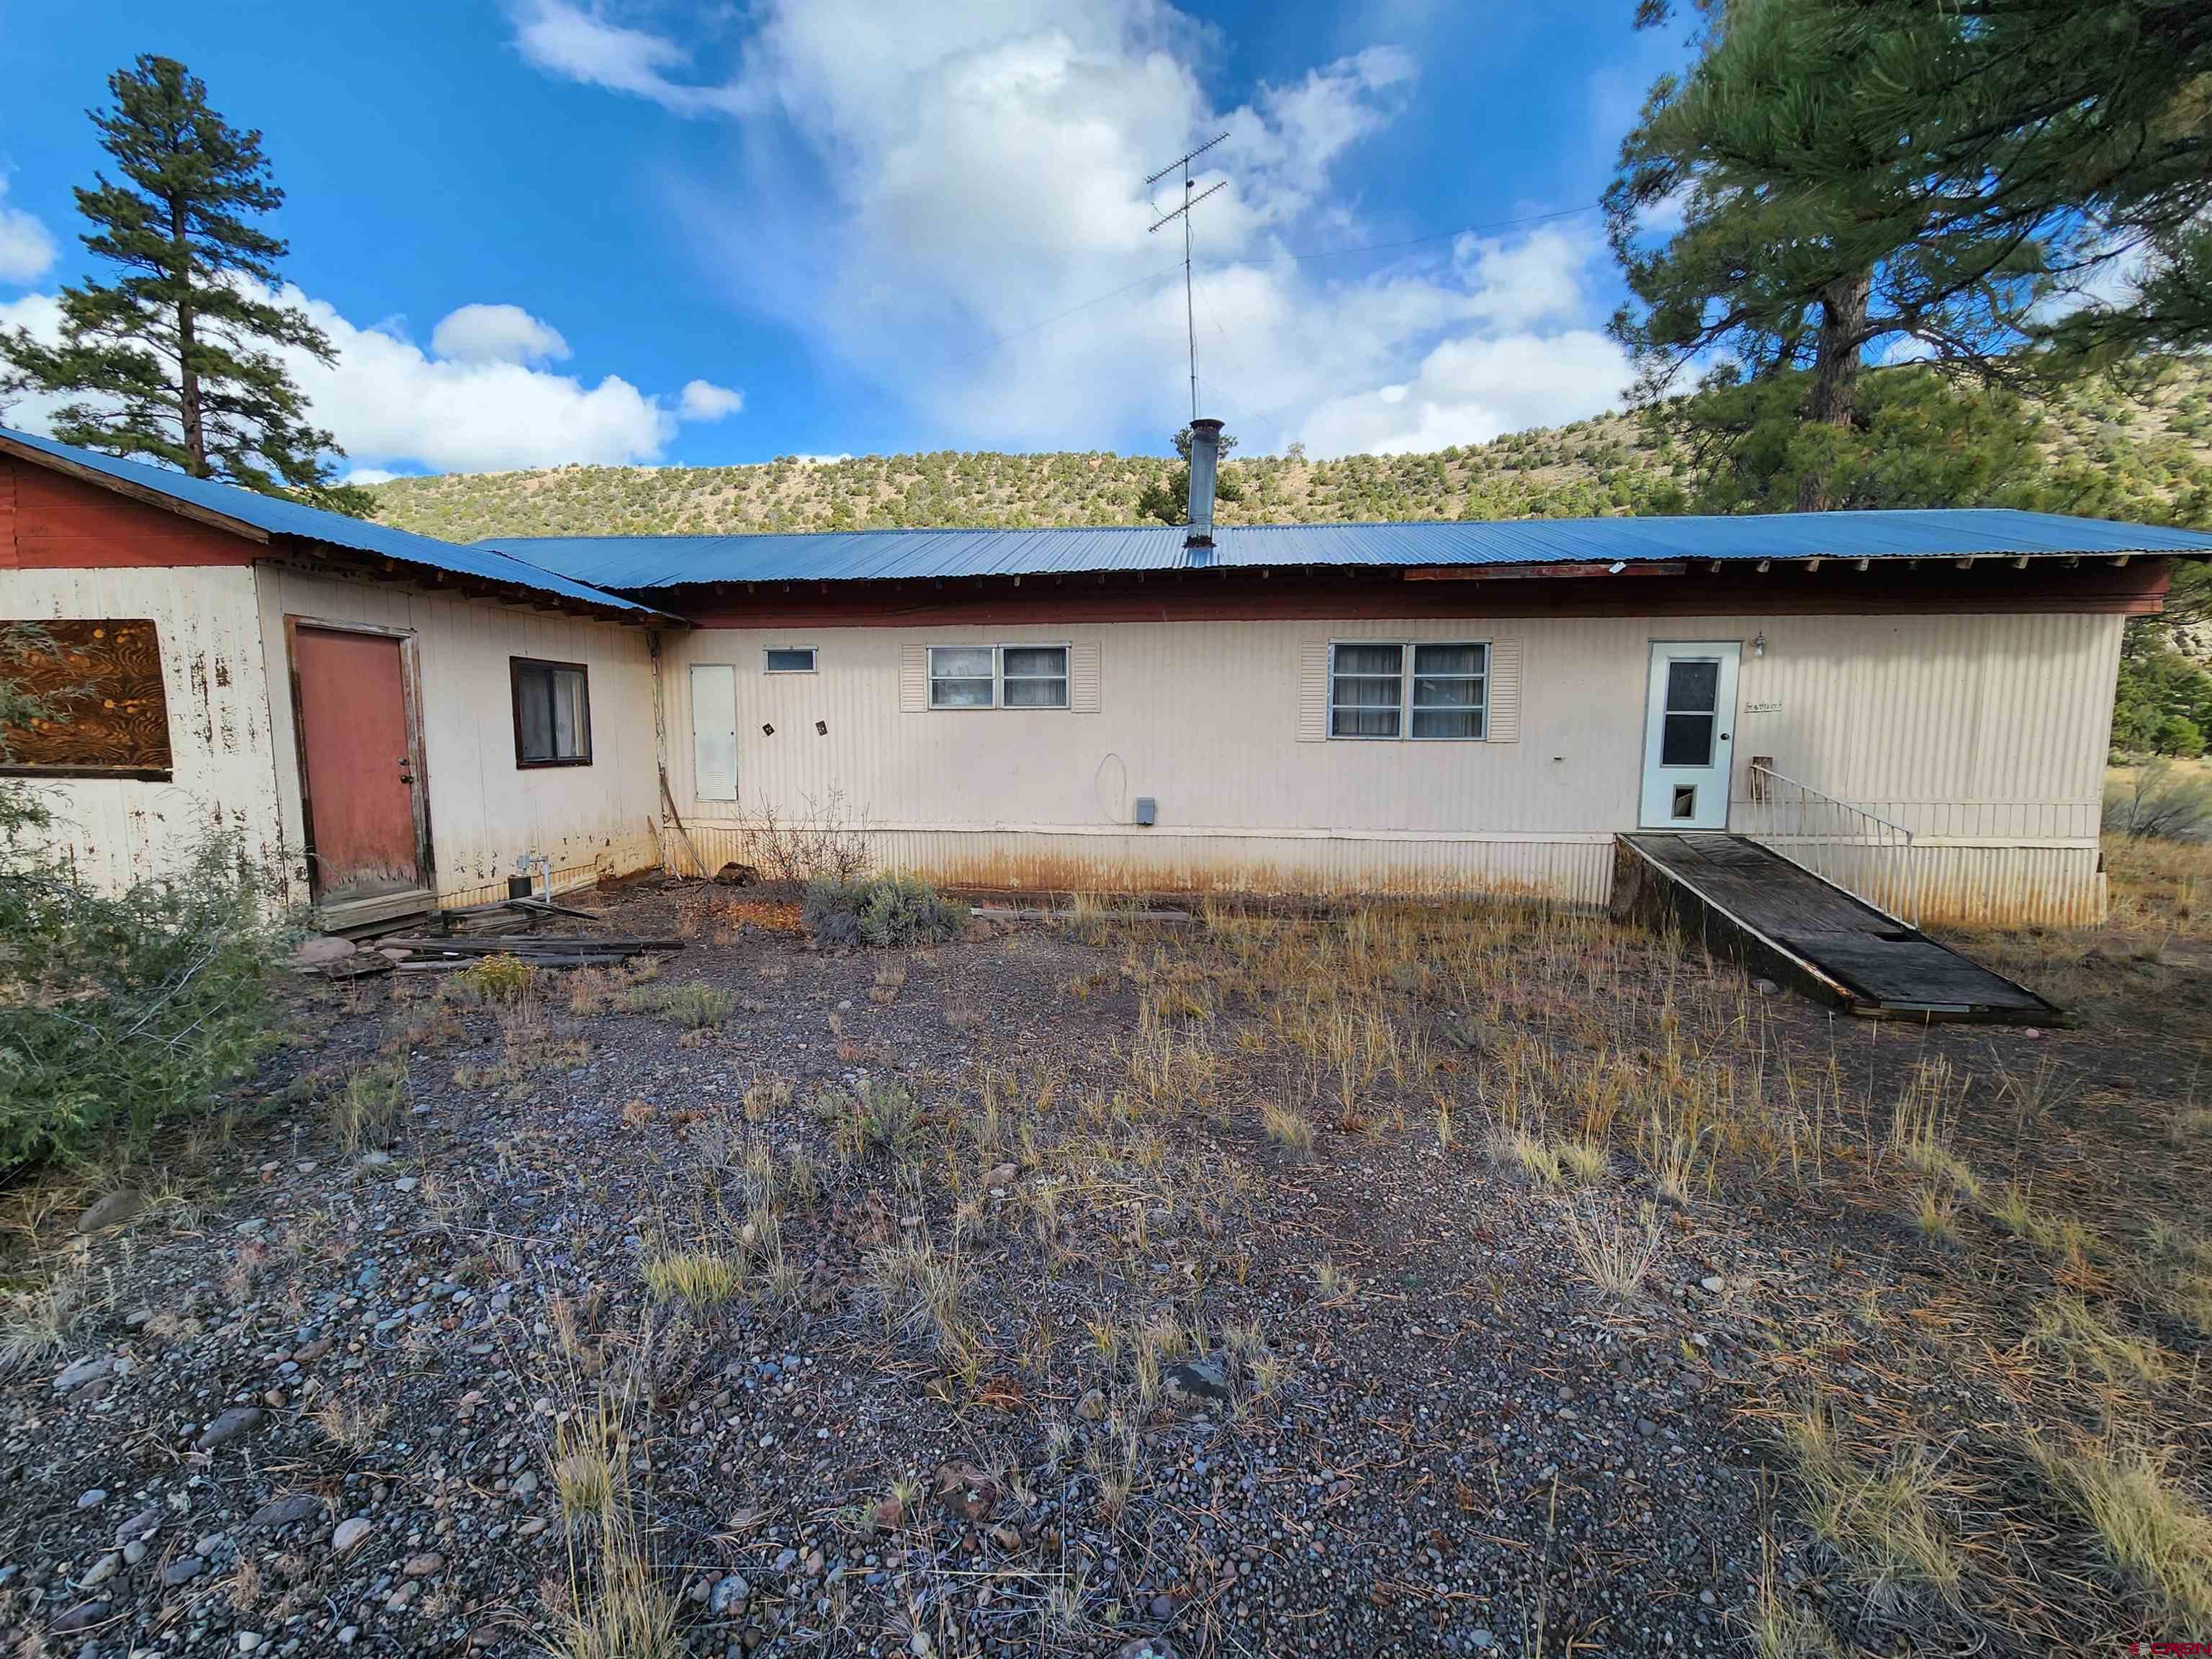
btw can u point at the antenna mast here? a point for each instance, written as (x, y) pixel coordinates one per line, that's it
(1189, 201)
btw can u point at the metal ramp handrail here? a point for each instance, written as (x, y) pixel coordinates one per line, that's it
(1866, 854)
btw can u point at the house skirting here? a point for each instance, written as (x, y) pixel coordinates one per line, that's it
(1955, 883)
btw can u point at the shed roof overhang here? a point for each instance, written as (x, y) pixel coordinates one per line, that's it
(2130, 584)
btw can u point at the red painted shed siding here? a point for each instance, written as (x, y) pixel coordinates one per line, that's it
(49, 522)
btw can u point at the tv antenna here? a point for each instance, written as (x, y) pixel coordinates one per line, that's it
(1189, 201)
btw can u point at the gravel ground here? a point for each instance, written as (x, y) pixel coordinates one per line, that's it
(1362, 1396)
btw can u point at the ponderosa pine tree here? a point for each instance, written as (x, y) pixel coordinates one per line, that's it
(176, 360)
(1807, 241)
(2082, 126)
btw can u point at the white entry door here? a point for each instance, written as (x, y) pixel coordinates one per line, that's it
(713, 732)
(1689, 734)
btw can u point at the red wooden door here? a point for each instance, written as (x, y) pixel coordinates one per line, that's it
(356, 751)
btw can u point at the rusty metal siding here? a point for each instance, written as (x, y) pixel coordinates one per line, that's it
(116, 831)
(1985, 734)
(484, 811)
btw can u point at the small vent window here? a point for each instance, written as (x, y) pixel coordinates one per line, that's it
(791, 659)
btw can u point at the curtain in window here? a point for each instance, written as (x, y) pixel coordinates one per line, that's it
(1366, 690)
(1448, 683)
(960, 676)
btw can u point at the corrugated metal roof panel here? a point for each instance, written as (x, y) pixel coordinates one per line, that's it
(637, 563)
(278, 517)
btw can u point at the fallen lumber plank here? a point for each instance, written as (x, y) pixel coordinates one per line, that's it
(524, 945)
(525, 906)
(1010, 913)
(450, 964)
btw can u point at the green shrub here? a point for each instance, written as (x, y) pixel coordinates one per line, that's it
(693, 1005)
(367, 1110)
(883, 911)
(119, 1012)
(501, 978)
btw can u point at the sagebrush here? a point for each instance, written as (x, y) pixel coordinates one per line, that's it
(882, 911)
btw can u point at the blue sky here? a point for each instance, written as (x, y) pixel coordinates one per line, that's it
(549, 230)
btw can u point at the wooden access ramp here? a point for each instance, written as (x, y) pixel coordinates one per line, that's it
(1749, 904)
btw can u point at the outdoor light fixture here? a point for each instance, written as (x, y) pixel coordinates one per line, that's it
(1758, 644)
(1616, 566)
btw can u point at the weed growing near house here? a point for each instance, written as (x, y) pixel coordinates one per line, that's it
(125, 1012)
(883, 911)
(499, 978)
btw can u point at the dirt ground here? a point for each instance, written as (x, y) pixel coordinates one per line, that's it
(1410, 1281)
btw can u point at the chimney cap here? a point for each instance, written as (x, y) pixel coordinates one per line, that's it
(1205, 422)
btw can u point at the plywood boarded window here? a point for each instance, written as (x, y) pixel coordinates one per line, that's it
(104, 712)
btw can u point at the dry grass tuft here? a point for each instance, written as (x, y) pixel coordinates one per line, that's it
(1936, 1214)
(1613, 1256)
(700, 1278)
(2142, 1525)
(1585, 1160)
(616, 1607)
(1886, 1523)
(2069, 1330)
(39, 1318)
(1287, 1126)
(1535, 1157)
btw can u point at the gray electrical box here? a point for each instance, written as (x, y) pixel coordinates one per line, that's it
(1148, 809)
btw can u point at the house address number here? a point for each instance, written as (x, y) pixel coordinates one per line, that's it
(1762, 709)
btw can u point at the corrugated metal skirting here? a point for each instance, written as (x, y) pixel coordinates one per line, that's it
(1948, 886)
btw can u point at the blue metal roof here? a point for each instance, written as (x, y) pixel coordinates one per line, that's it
(639, 563)
(275, 516)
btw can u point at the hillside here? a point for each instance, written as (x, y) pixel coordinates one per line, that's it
(2151, 459)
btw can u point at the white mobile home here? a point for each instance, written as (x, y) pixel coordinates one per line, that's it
(1923, 697)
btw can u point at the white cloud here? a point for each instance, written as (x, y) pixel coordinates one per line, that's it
(393, 406)
(387, 399)
(702, 400)
(41, 314)
(369, 475)
(26, 246)
(581, 46)
(914, 190)
(1470, 390)
(497, 334)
